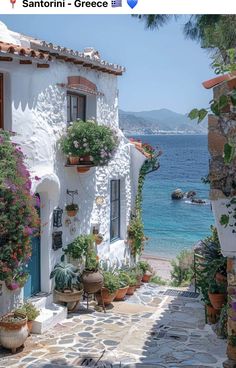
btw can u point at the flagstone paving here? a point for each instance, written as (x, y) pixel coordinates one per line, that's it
(147, 330)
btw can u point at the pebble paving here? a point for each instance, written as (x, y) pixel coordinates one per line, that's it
(146, 330)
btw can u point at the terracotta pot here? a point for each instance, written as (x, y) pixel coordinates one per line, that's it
(212, 314)
(146, 277)
(121, 293)
(68, 296)
(231, 352)
(92, 281)
(74, 160)
(220, 278)
(30, 326)
(82, 170)
(105, 297)
(72, 213)
(217, 300)
(139, 281)
(85, 159)
(131, 290)
(98, 239)
(13, 335)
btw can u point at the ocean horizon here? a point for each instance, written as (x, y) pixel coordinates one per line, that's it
(172, 226)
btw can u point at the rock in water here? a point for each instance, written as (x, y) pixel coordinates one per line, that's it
(198, 201)
(191, 194)
(177, 194)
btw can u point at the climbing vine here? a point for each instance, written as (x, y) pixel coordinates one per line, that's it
(136, 233)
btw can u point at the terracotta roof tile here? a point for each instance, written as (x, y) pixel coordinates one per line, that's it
(217, 80)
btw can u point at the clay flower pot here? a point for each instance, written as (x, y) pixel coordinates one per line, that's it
(131, 290)
(121, 293)
(231, 352)
(139, 281)
(71, 298)
(146, 277)
(13, 335)
(82, 170)
(212, 314)
(85, 159)
(74, 160)
(92, 281)
(220, 278)
(30, 326)
(98, 239)
(105, 297)
(217, 300)
(72, 213)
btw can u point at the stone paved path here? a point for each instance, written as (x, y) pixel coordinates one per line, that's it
(147, 330)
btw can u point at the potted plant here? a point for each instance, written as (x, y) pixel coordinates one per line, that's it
(18, 281)
(123, 281)
(72, 209)
(13, 331)
(138, 275)
(30, 311)
(136, 235)
(76, 250)
(67, 287)
(217, 294)
(108, 292)
(92, 143)
(146, 270)
(231, 348)
(132, 283)
(92, 278)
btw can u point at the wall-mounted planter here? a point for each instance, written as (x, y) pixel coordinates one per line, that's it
(226, 236)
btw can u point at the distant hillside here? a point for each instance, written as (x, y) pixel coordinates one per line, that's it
(161, 121)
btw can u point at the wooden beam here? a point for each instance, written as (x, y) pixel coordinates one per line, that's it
(25, 62)
(43, 66)
(6, 58)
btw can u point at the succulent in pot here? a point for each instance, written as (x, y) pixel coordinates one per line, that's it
(217, 294)
(108, 292)
(72, 209)
(13, 331)
(123, 280)
(67, 286)
(30, 311)
(146, 270)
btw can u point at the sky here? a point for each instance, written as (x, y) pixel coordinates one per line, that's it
(164, 70)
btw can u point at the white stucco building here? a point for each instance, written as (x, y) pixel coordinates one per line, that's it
(42, 88)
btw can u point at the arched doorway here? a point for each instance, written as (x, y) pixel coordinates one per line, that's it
(33, 285)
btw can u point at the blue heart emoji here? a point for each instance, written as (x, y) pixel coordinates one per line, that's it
(132, 3)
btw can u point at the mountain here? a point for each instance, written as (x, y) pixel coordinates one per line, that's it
(161, 121)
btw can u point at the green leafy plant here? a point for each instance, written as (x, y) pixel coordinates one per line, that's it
(29, 310)
(123, 279)
(144, 266)
(136, 234)
(65, 276)
(79, 247)
(72, 207)
(222, 324)
(158, 280)
(111, 281)
(182, 269)
(18, 217)
(217, 288)
(232, 340)
(89, 138)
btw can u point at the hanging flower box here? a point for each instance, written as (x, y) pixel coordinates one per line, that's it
(88, 142)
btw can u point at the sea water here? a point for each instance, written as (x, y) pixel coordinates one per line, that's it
(175, 225)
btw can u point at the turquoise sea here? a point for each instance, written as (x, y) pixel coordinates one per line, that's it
(174, 225)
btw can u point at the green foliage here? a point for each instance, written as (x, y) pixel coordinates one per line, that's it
(111, 281)
(158, 280)
(232, 340)
(65, 275)
(72, 207)
(132, 278)
(217, 288)
(79, 247)
(222, 324)
(88, 138)
(144, 266)
(18, 217)
(136, 234)
(229, 153)
(92, 259)
(182, 269)
(123, 279)
(29, 310)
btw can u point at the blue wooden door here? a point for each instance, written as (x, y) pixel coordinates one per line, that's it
(33, 286)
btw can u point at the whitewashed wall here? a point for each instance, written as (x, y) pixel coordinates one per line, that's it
(35, 108)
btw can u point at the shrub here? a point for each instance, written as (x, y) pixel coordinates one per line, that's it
(182, 269)
(89, 138)
(111, 281)
(79, 247)
(144, 266)
(18, 217)
(158, 280)
(29, 310)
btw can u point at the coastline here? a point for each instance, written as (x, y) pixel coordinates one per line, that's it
(161, 266)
